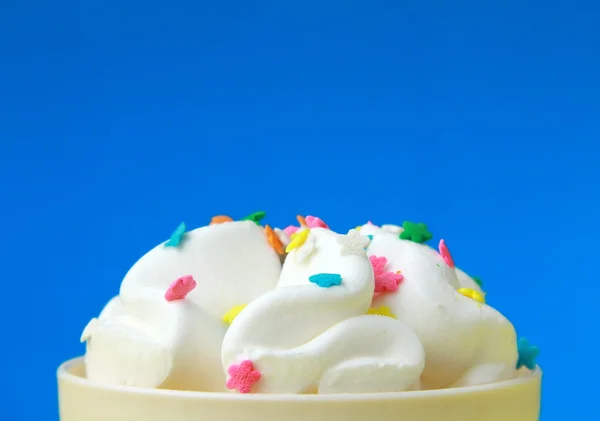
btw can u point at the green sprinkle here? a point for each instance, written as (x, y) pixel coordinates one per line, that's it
(478, 280)
(255, 217)
(417, 233)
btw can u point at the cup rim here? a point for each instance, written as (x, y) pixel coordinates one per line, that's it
(64, 373)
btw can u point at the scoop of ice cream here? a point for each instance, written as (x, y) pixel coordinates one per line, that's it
(466, 341)
(166, 326)
(312, 334)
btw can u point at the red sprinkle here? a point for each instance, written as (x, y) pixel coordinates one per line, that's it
(242, 376)
(384, 281)
(445, 253)
(180, 288)
(315, 222)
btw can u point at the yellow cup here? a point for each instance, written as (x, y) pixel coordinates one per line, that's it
(83, 400)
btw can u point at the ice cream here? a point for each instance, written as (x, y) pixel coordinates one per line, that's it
(142, 339)
(235, 306)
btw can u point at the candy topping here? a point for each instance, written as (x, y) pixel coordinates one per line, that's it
(384, 281)
(298, 238)
(478, 281)
(255, 217)
(242, 376)
(177, 236)
(415, 232)
(274, 240)
(353, 243)
(527, 354)
(290, 229)
(382, 311)
(326, 280)
(301, 220)
(180, 288)
(315, 222)
(220, 219)
(445, 253)
(471, 293)
(232, 313)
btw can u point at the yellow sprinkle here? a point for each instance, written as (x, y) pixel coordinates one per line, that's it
(232, 313)
(382, 311)
(471, 293)
(358, 228)
(298, 238)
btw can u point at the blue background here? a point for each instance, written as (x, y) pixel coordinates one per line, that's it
(119, 120)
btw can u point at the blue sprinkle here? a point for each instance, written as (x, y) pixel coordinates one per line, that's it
(527, 354)
(176, 237)
(370, 237)
(326, 280)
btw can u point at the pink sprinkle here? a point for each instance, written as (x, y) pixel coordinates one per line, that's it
(289, 230)
(315, 222)
(370, 223)
(446, 253)
(384, 281)
(180, 288)
(242, 376)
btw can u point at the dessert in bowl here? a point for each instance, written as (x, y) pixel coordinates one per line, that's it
(239, 321)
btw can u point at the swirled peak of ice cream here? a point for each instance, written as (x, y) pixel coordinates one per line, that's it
(312, 333)
(166, 327)
(466, 341)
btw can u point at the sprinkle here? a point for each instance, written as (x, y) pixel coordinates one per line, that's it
(242, 376)
(415, 232)
(370, 237)
(382, 311)
(232, 313)
(298, 238)
(471, 293)
(274, 240)
(358, 228)
(527, 354)
(176, 237)
(180, 288)
(255, 217)
(306, 250)
(353, 243)
(384, 281)
(478, 281)
(315, 222)
(326, 280)
(443, 248)
(290, 229)
(220, 219)
(301, 220)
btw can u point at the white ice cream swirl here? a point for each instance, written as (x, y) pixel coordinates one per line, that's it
(305, 338)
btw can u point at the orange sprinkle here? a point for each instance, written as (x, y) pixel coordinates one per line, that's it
(274, 240)
(220, 219)
(301, 221)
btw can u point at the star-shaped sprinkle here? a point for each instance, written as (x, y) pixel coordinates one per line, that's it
(242, 376)
(326, 280)
(415, 232)
(233, 312)
(255, 217)
(176, 237)
(471, 293)
(301, 220)
(298, 238)
(384, 281)
(382, 311)
(290, 230)
(274, 240)
(478, 281)
(445, 253)
(220, 219)
(353, 243)
(315, 222)
(180, 288)
(527, 354)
